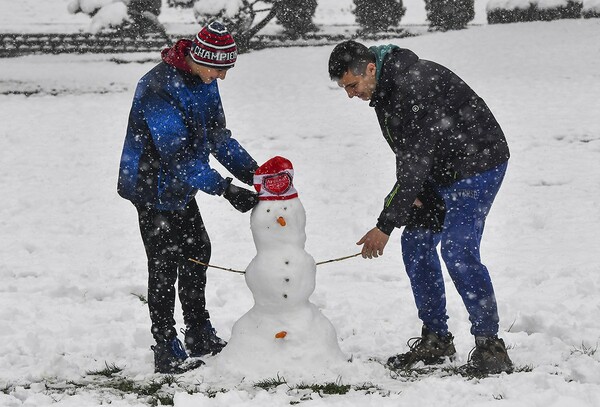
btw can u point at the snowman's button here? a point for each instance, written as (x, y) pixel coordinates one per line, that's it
(287, 280)
(284, 295)
(287, 262)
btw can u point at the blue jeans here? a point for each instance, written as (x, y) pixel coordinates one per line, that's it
(468, 203)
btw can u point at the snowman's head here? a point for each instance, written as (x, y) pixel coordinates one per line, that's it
(278, 223)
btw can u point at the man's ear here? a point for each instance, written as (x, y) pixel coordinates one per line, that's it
(371, 69)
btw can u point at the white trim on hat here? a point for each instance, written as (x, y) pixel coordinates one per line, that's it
(208, 44)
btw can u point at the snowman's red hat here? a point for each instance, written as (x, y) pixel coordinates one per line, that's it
(274, 180)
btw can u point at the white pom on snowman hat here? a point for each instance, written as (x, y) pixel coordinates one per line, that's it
(274, 180)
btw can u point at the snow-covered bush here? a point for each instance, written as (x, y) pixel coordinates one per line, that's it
(109, 16)
(236, 15)
(180, 3)
(296, 15)
(512, 11)
(449, 14)
(378, 15)
(137, 16)
(104, 13)
(89, 7)
(548, 10)
(591, 9)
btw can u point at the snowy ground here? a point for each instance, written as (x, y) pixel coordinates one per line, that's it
(71, 257)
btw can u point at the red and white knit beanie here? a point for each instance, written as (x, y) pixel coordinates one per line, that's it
(274, 180)
(214, 47)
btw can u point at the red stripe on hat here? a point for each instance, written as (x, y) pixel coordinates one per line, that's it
(216, 42)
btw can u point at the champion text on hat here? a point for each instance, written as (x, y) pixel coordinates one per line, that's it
(214, 46)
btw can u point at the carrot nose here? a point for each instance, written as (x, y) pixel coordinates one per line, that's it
(281, 221)
(281, 335)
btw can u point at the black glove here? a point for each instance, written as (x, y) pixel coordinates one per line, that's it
(429, 216)
(242, 199)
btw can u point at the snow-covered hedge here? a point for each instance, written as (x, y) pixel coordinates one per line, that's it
(591, 9)
(180, 3)
(512, 11)
(296, 16)
(378, 15)
(139, 14)
(449, 14)
(104, 13)
(236, 15)
(548, 10)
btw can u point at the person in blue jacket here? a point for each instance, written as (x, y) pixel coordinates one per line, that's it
(176, 122)
(451, 157)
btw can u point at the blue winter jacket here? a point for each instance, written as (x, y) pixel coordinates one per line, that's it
(175, 122)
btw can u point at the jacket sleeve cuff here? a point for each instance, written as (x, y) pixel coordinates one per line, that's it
(385, 227)
(247, 176)
(223, 185)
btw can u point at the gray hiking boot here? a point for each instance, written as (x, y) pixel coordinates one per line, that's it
(429, 348)
(488, 357)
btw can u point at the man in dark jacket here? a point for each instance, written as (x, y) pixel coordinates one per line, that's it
(451, 156)
(176, 122)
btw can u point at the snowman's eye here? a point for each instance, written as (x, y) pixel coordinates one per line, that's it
(268, 210)
(285, 208)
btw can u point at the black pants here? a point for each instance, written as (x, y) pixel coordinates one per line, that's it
(170, 239)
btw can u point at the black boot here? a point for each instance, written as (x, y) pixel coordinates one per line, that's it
(169, 356)
(203, 340)
(488, 357)
(429, 348)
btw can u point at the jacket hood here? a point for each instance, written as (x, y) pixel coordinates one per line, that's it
(390, 61)
(175, 56)
(404, 57)
(381, 52)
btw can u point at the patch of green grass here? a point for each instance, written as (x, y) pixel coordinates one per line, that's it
(108, 371)
(326, 388)
(152, 390)
(268, 384)
(123, 385)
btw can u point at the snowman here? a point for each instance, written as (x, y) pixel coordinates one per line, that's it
(283, 331)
